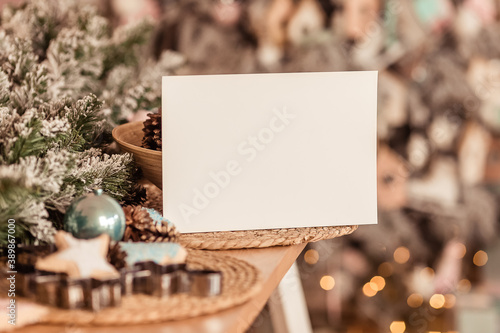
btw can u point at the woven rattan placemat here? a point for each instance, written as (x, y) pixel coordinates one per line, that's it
(241, 281)
(248, 239)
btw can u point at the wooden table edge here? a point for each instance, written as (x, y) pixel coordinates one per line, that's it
(243, 314)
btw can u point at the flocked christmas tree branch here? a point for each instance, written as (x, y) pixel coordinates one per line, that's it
(65, 79)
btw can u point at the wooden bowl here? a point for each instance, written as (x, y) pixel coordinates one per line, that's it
(129, 138)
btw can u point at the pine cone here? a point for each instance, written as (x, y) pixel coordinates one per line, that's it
(152, 131)
(116, 256)
(143, 227)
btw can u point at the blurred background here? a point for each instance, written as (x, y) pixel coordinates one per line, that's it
(429, 264)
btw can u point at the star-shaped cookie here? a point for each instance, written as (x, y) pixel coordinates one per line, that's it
(79, 258)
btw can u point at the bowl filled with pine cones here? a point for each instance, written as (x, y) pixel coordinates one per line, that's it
(143, 141)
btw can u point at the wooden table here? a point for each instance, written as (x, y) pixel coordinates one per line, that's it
(272, 262)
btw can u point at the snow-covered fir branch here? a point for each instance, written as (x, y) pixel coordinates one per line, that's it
(65, 78)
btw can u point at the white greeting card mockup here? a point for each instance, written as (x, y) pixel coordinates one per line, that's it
(266, 151)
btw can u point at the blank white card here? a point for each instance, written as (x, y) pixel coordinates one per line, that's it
(266, 151)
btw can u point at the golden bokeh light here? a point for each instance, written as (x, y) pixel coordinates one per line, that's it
(415, 300)
(368, 290)
(480, 258)
(437, 301)
(385, 269)
(378, 282)
(427, 272)
(449, 301)
(401, 255)
(464, 286)
(398, 327)
(327, 282)
(311, 256)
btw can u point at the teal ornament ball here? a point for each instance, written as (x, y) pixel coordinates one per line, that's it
(93, 215)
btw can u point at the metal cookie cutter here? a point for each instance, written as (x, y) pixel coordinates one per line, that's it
(73, 292)
(104, 293)
(165, 280)
(136, 279)
(25, 283)
(205, 283)
(47, 289)
(78, 293)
